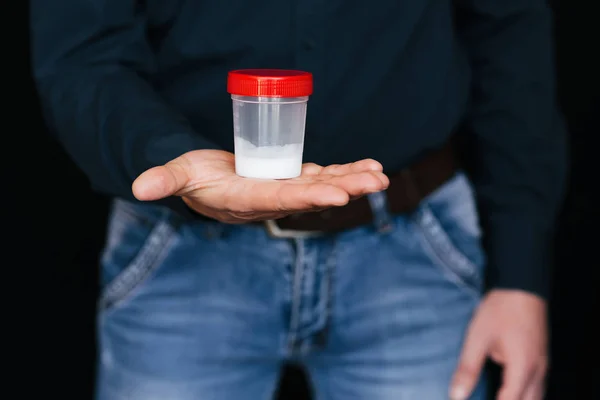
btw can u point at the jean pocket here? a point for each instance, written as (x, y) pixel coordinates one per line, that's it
(448, 227)
(138, 239)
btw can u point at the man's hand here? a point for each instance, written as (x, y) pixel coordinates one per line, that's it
(207, 182)
(510, 327)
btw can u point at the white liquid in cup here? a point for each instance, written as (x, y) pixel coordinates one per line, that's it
(267, 162)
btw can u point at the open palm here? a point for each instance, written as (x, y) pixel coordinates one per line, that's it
(207, 182)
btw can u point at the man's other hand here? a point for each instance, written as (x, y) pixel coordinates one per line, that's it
(510, 327)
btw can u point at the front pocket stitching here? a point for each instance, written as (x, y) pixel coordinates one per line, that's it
(442, 250)
(146, 261)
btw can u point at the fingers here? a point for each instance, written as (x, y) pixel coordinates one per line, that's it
(365, 165)
(274, 196)
(247, 197)
(359, 184)
(280, 197)
(311, 196)
(286, 197)
(537, 387)
(293, 197)
(470, 364)
(357, 177)
(321, 187)
(522, 379)
(535, 391)
(160, 182)
(311, 169)
(516, 376)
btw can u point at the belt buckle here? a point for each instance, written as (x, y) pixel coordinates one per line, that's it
(276, 232)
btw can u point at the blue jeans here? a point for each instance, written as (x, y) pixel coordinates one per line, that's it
(208, 311)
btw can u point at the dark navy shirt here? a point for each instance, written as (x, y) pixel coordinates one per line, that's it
(129, 84)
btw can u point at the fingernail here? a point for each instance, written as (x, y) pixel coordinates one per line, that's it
(458, 393)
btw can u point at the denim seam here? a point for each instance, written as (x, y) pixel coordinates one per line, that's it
(139, 270)
(331, 274)
(445, 254)
(296, 298)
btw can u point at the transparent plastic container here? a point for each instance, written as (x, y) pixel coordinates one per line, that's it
(269, 117)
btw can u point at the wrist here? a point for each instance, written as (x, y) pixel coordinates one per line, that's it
(524, 295)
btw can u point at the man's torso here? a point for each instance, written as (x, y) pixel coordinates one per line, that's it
(390, 79)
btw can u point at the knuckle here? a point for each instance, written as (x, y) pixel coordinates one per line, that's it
(185, 159)
(178, 164)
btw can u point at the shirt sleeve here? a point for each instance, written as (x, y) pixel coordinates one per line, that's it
(90, 63)
(517, 136)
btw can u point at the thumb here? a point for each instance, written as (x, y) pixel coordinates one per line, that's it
(163, 181)
(470, 365)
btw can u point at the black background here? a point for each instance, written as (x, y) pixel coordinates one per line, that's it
(56, 224)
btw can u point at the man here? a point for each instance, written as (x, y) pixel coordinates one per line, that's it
(378, 296)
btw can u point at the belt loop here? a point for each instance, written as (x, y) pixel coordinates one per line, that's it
(381, 213)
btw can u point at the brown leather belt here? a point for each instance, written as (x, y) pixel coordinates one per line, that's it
(406, 191)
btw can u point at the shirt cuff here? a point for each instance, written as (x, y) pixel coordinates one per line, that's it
(518, 254)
